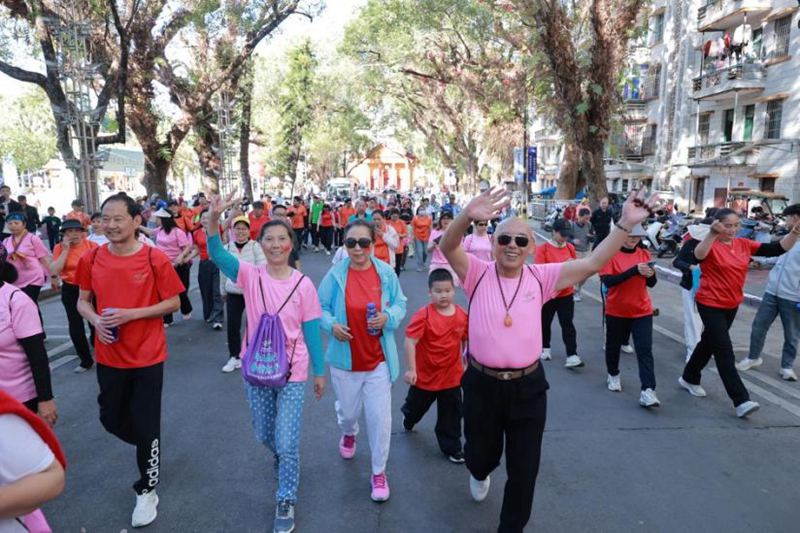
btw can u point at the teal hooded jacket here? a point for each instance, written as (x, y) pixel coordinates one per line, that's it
(393, 302)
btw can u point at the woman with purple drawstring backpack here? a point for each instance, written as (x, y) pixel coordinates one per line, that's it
(282, 337)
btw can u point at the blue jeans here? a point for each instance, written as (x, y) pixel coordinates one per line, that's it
(277, 414)
(772, 306)
(420, 252)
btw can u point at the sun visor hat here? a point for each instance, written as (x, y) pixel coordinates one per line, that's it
(699, 231)
(17, 216)
(162, 213)
(240, 219)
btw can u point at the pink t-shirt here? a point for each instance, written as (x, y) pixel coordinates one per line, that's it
(302, 307)
(437, 257)
(30, 270)
(480, 247)
(172, 243)
(491, 342)
(19, 319)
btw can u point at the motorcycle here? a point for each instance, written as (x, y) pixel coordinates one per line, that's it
(551, 218)
(672, 238)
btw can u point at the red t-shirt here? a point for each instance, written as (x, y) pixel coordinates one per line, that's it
(723, 272)
(381, 249)
(439, 364)
(139, 280)
(326, 219)
(296, 214)
(363, 287)
(256, 224)
(549, 253)
(70, 270)
(199, 238)
(629, 299)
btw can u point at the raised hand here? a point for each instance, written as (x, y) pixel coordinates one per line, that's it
(488, 204)
(218, 205)
(636, 208)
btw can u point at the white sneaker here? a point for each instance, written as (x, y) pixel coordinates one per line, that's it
(573, 361)
(576, 297)
(746, 364)
(81, 369)
(746, 408)
(627, 348)
(546, 355)
(787, 374)
(217, 326)
(694, 390)
(327, 252)
(316, 249)
(614, 383)
(145, 511)
(187, 316)
(648, 398)
(232, 364)
(479, 489)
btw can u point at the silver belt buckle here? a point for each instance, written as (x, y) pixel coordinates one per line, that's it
(505, 376)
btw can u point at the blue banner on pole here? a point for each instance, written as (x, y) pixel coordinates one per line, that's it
(519, 166)
(532, 164)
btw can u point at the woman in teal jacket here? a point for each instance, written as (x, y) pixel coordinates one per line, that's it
(361, 350)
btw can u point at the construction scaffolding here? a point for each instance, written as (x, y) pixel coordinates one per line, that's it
(82, 119)
(228, 176)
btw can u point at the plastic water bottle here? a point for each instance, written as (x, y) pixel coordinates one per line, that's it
(372, 312)
(113, 330)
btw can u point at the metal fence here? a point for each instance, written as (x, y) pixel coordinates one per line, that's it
(539, 208)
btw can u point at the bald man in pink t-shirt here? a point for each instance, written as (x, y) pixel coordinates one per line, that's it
(504, 386)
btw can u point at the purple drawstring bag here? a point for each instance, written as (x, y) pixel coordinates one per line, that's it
(266, 362)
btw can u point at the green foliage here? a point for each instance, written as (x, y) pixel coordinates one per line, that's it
(27, 131)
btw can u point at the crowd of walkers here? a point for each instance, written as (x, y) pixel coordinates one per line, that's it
(481, 366)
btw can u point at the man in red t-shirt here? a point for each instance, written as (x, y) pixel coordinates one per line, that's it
(435, 340)
(560, 251)
(296, 214)
(134, 286)
(258, 217)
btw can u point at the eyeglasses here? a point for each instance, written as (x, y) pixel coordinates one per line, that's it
(362, 243)
(481, 224)
(520, 240)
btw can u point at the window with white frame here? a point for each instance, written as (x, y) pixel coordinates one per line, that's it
(658, 29)
(772, 119)
(783, 28)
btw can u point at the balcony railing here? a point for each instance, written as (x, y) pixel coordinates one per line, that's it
(702, 153)
(738, 77)
(726, 14)
(648, 146)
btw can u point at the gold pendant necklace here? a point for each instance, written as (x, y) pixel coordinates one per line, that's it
(508, 321)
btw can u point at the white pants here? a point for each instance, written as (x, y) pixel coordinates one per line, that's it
(692, 325)
(372, 393)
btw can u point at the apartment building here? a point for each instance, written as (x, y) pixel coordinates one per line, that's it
(722, 99)
(711, 103)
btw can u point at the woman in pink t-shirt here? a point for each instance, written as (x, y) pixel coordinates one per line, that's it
(24, 369)
(28, 254)
(437, 258)
(279, 289)
(177, 246)
(479, 243)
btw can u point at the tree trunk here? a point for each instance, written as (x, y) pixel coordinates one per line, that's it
(209, 151)
(155, 176)
(593, 172)
(246, 98)
(569, 175)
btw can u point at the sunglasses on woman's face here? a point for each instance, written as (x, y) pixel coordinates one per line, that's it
(520, 240)
(362, 243)
(481, 224)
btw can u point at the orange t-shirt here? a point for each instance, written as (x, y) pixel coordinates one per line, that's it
(402, 232)
(296, 214)
(363, 287)
(553, 254)
(630, 298)
(382, 250)
(439, 348)
(132, 282)
(256, 224)
(723, 273)
(421, 224)
(70, 270)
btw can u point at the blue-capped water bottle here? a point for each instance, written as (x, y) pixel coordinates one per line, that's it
(372, 312)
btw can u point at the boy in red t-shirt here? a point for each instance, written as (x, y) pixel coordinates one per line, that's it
(560, 251)
(126, 288)
(434, 344)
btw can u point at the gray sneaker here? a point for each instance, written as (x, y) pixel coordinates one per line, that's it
(284, 517)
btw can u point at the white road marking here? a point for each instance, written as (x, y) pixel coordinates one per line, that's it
(59, 349)
(61, 361)
(57, 337)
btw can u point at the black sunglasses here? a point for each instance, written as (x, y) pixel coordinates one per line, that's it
(481, 224)
(519, 240)
(363, 243)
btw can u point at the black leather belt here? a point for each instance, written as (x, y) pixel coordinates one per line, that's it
(503, 375)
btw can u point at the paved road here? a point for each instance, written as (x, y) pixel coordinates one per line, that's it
(607, 464)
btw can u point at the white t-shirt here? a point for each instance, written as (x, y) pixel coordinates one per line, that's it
(99, 239)
(22, 453)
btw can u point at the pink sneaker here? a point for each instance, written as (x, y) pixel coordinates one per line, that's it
(347, 446)
(380, 488)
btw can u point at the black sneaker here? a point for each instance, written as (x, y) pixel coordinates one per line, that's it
(408, 426)
(457, 458)
(284, 517)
